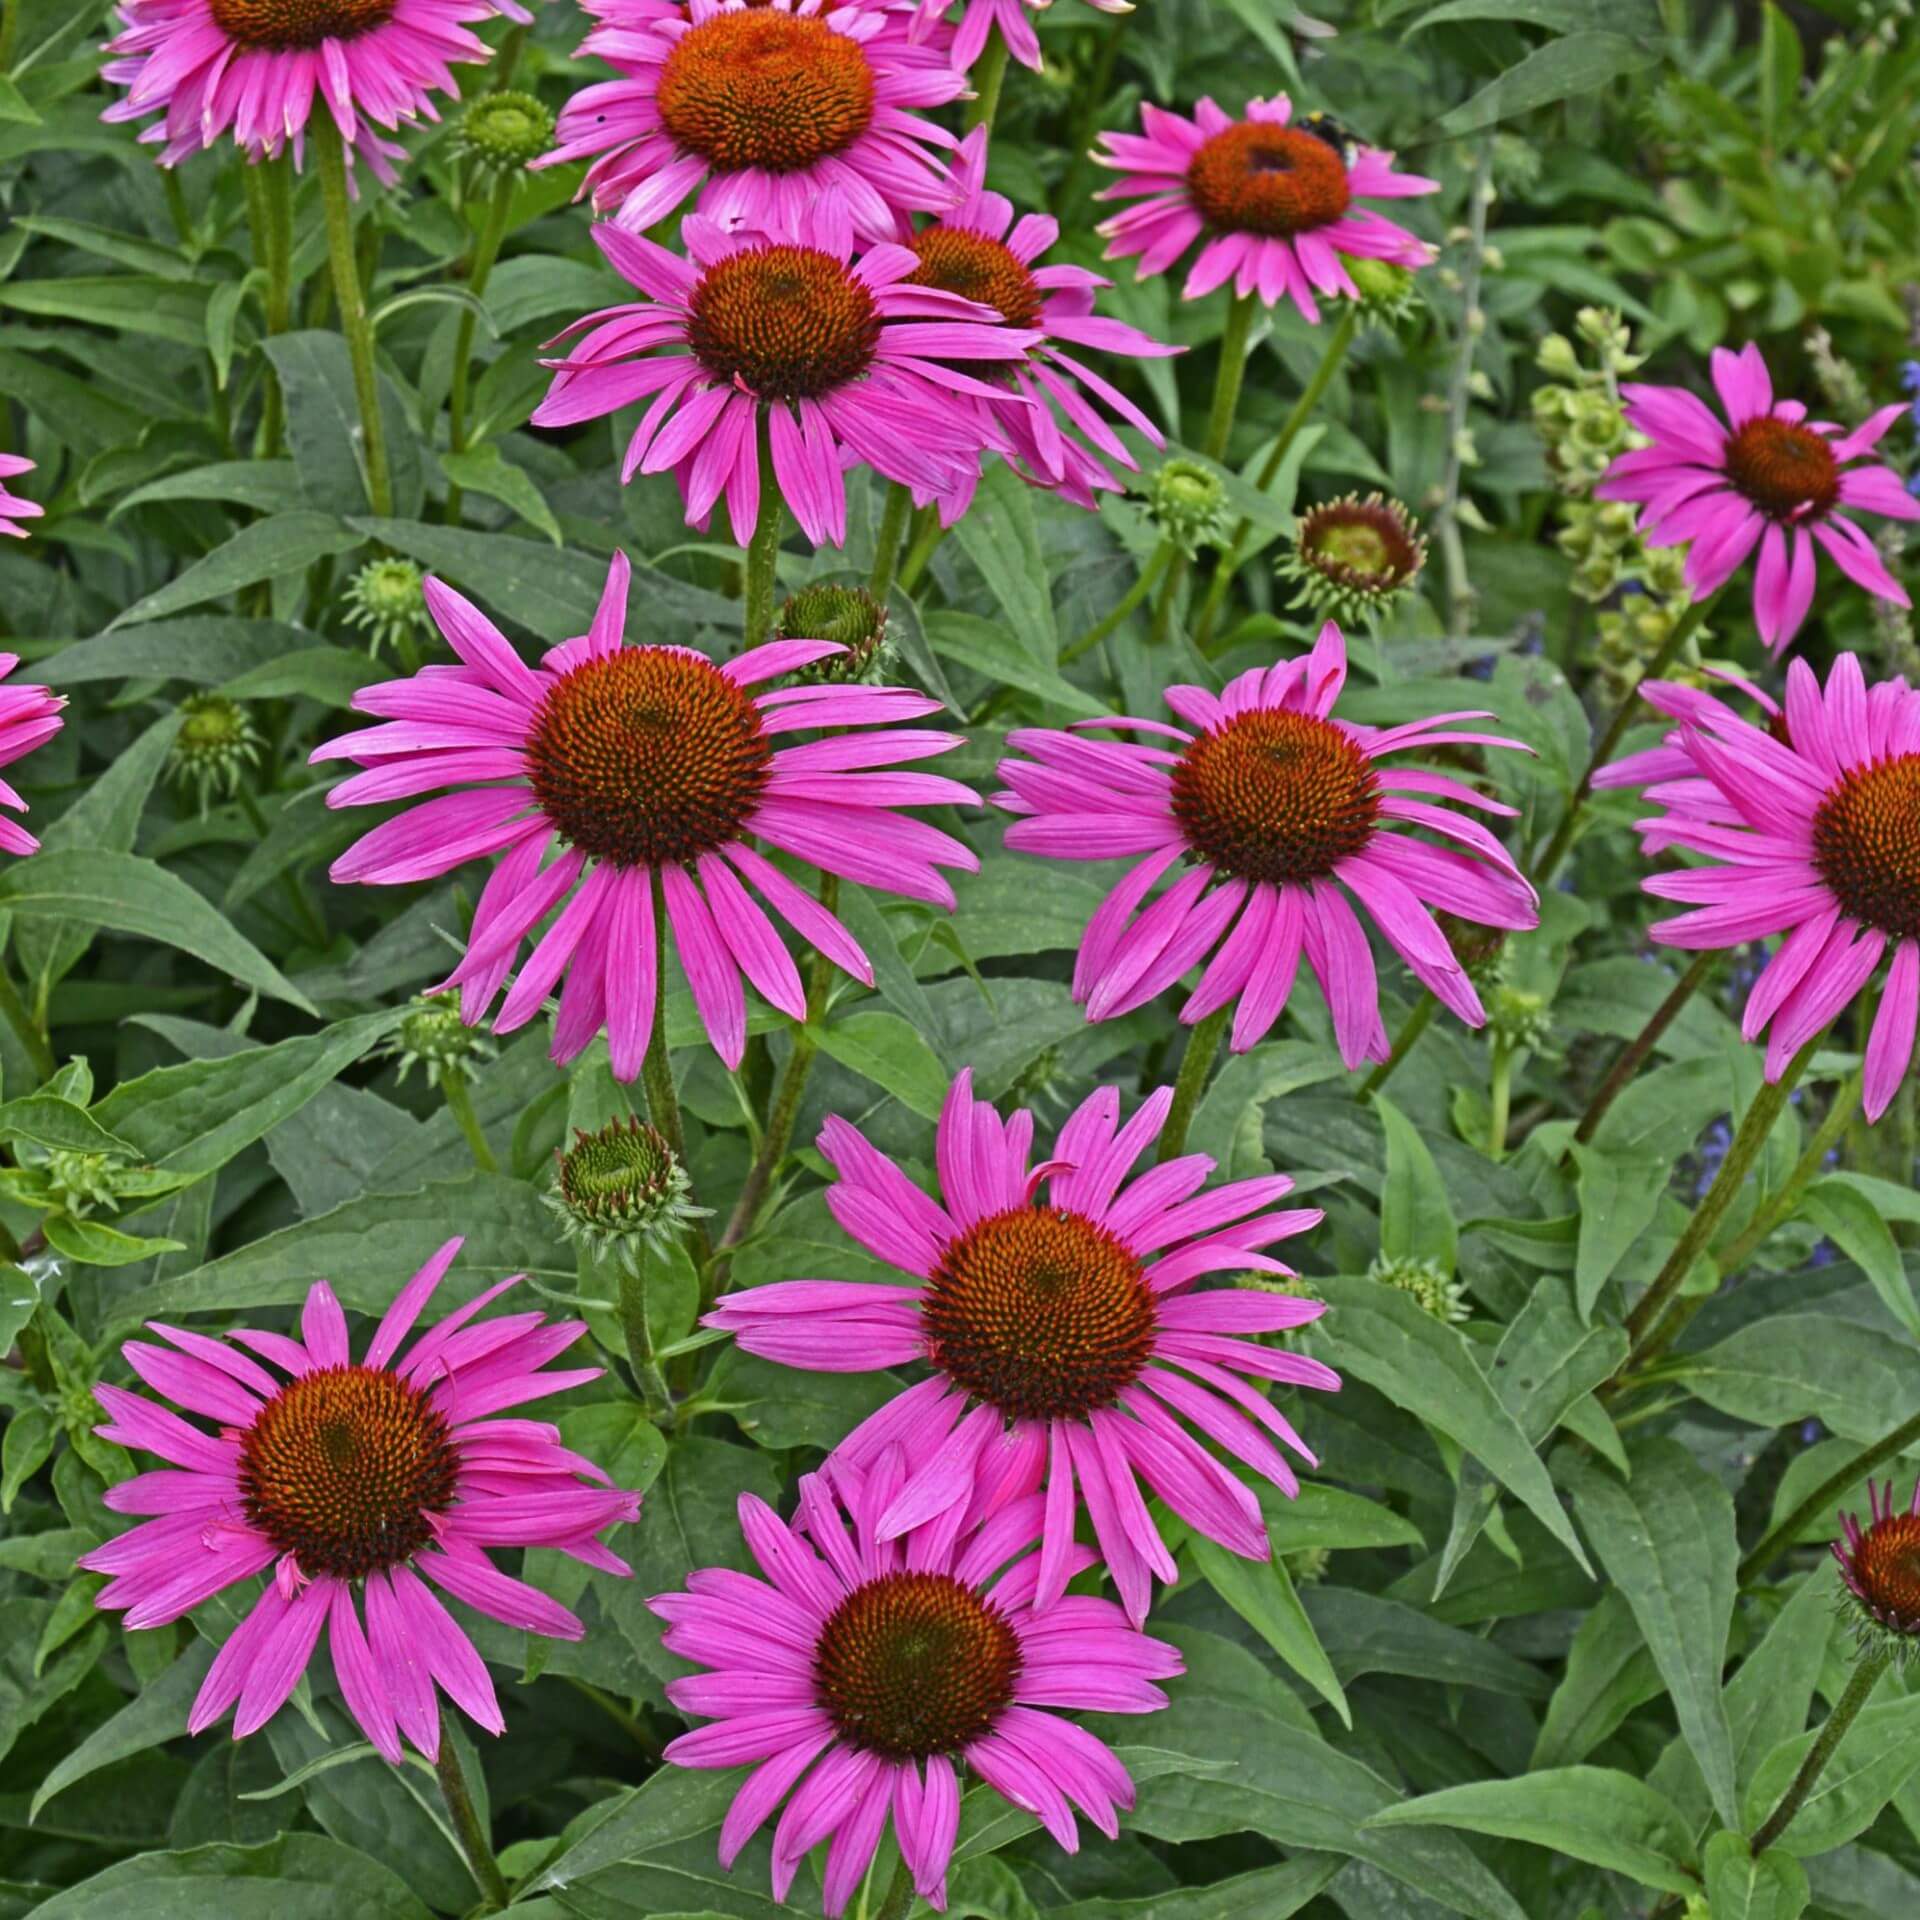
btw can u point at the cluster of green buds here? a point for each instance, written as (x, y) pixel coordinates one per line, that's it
(1629, 635)
(850, 617)
(1354, 560)
(1188, 503)
(1577, 410)
(502, 134)
(1307, 1565)
(433, 1036)
(387, 600)
(622, 1189)
(1424, 1281)
(215, 749)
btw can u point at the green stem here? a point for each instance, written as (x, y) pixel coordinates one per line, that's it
(656, 1072)
(1807, 1169)
(1499, 1100)
(1767, 1106)
(927, 534)
(474, 1843)
(786, 1097)
(763, 550)
(1780, 1538)
(355, 324)
(1866, 1676)
(486, 250)
(1195, 1064)
(1092, 94)
(899, 1895)
(1684, 629)
(32, 1040)
(1128, 602)
(893, 533)
(989, 79)
(9, 28)
(454, 1091)
(633, 1323)
(1416, 1024)
(276, 193)
(1643, 1043)
(1331, 361)
(1446, 518)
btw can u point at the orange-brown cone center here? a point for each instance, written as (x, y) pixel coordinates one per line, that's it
(1788, 471)
(1887, 1568)
(285, 26)
(341, 1468)
(765, 90)
(976, 268)
(1277, 797)
(783, 322)
(1866, 845)
(1260, 178)
(913, 1664)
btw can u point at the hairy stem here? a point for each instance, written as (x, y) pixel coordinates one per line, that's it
(633, 1323)
(1446, 520)
(355, 324)
(656, 1072)
(454, 1091)
(486, 251)
(763, 550)
(1778, 1539)
(989, 81)
(1846, 1103)
(1132, 598)
(1203, 1042)
(893, 533)
(474, 1842)
(1417, 1023)
(1499, 1101)
(1866, 1676)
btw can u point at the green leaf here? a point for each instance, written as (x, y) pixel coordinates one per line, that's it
(1619, 1195)
(206, 651)
(1002, 538)
(323, 423)
(885, 1049)
(49, 1121)
(299, 1876)
(93, 1245)
(126, 894)
(1849, 1218)
(136, 303)
(487, 471)
(269, 549)
(1666, 1540)
(1262, 1593)
(1416, 1217)
(1806, 1366)
(1370, 1633)
(266, 486)
(321, 1763)
(1576, 63)
(1229, 1120)
(1608, 1673)
(778, 1407)
(1876, 1757)
(1387, 1340)
(1608, 1819)
(1270, 1893)
(1739, 1887)
(987, 647)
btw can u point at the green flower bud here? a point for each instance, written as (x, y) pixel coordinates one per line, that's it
(621, 1188)
(1188, 503)
(502, 133)
(1307, 1565)
(433, 1036)
(1354, 558)
(850, 617)
(386, 599)
(216, 745)
(1424, 1281)
(1387, 294)
(1517, 1019)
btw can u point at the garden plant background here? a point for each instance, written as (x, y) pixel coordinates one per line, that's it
(1190, 1217)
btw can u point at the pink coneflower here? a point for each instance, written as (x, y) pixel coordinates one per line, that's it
(1067, 1342)
(1274, 200)
(13, 509)
(1881, 1564)
(1272, 812)
(255, 66)
(349, 1481)
(844, 357)
(769, 106)
(29, 718)
(856, 1673)
(980, 17)
(652, 771)
(1812, 836)
(1768, 477)
(978, 251)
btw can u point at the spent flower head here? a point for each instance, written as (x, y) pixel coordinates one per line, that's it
(215, 748)
(387, 598)
(849, 617)
(621, 1188)
(502, 134)
(1352, 558)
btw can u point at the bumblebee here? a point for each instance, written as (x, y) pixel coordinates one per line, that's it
(1336, 133)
